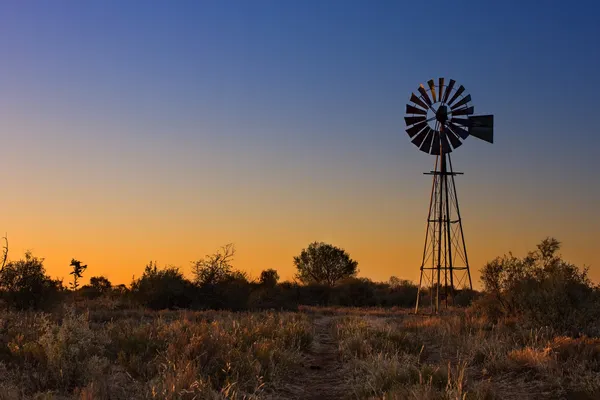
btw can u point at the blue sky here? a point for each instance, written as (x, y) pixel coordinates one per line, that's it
(269, 109)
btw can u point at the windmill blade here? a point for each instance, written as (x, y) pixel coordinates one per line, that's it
(462, 102)
(454, 140)
(435, 147)
(421, 136)
(431, 84)
(482, 127)
(460, 90)
(457, 130)
(463, 111)
(427, 142)
(424, 94)
(441, 85)
(414, 120)
(445, 144)
(448, 90)
(418, 101)
(415, 110)
(413, 130)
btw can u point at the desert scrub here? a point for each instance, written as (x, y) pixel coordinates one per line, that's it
(386, 362)
(166, 355)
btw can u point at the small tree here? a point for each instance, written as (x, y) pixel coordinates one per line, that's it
(26, 285)
(214, 268)
(269, 278)
(4, 254)
(324, 264)
(100, 284)
(77, 273)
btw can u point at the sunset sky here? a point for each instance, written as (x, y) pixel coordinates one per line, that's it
(135, 131)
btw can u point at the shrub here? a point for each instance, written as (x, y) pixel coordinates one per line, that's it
(356, 292)
(214, 268)
(25, 284)
(269, 277)
(162, 289)
(100, 284)
(543, 289)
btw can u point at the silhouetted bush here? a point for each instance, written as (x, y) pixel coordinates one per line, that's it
(25, 284)
(214, 268)
(542, 289)
(230, 293)
(163, 288)
(355, 292)
(98, 286)
(269, 277)
(465, 297)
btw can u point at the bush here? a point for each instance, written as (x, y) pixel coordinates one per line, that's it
(543, 289)
(214, 268)
(162, 289)
(25, 284)
(269, 278)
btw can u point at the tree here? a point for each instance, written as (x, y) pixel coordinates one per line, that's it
(214, 268)
(100, 284)
(77, 273)
(4, 256)
(269, 277)
(26, 285)
(324, 263)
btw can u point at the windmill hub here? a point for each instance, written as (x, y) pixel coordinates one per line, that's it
(442, 114)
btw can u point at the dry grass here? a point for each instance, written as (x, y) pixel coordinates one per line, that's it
(126, 353)
(167, 355)
(458, 356)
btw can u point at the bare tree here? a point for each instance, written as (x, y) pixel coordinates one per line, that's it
(214, 268)
(4, 253)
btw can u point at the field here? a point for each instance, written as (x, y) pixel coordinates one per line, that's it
(316, 353)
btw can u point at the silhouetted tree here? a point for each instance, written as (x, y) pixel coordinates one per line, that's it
(25, 284)
(214, 268)
(269, 277)
(4, 256)
(100, 284)
(324, 264)
(396, 282)
(77, 273)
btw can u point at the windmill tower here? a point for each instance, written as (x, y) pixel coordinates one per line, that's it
(438, 120)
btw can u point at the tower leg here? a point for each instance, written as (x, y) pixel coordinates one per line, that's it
(428, 242)
(445, 247)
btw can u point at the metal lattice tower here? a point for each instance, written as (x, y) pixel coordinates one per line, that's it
(434, 124)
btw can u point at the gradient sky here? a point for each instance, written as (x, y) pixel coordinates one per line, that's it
(135, 131)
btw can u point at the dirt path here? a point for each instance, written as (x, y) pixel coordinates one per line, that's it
(323, 376)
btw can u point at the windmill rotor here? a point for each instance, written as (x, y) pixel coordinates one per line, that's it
(439, 117)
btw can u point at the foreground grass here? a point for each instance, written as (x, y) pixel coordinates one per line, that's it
(361, 353)
(137, 354)
(461, 357)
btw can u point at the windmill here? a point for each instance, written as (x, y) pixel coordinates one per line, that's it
(439, 118)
